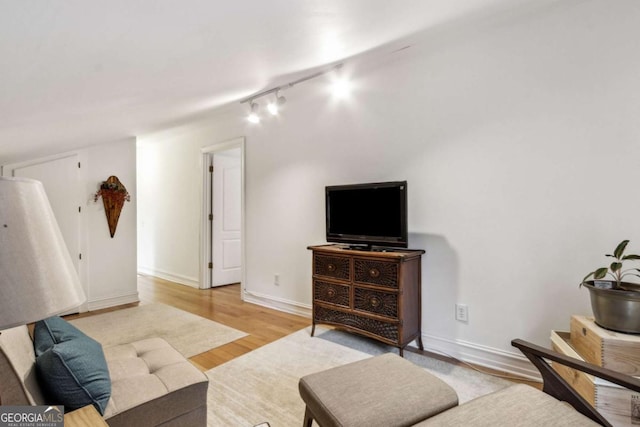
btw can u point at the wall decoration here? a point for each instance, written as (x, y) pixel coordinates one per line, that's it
(114, 194)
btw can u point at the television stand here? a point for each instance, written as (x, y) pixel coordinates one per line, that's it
(372, 293)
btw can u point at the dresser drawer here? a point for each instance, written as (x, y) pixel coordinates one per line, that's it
(381, 273)
(386, 330)
(331, 293)
(376, 302)
(332, 266)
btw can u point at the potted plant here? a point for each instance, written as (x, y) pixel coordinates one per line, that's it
(615, 303)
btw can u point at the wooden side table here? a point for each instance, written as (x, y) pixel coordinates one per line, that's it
(614, 350)
(84, 417)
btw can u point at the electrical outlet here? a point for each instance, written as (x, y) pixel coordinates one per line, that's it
(462, 312)
(276, 279)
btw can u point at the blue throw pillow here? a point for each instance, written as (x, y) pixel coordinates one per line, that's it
(51, 331)
(73, 371)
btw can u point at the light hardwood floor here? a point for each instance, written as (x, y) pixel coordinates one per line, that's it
(224, 305)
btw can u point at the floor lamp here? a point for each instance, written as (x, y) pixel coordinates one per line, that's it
(37, 276)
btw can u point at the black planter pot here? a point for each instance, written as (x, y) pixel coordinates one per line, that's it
(616, 309)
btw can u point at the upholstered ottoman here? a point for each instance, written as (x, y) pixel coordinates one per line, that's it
(382, 391)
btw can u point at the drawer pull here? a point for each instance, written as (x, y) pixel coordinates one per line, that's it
(331, 267)
(374, 273)
(332, 293)
(375, 302)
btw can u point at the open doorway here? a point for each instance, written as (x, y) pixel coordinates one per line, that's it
(223, 214)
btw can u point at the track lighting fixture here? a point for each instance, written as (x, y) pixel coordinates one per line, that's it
(274, 106)
(253, 114)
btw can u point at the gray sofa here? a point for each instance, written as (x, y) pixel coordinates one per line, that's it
(151, 383)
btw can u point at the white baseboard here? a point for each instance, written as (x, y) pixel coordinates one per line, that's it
(177, 278)
(492, 358)
(112, 301)
(276, 303)
(499, 360)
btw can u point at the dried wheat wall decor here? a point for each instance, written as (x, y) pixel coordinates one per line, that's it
(114, 194)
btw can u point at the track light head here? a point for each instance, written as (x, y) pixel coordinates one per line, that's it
(341, 88)
(253, 114)
(340, 85)
(274, 106)
(280, 100)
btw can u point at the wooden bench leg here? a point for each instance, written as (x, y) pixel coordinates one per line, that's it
(308, 417)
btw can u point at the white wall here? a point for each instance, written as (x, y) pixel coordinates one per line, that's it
(170, 192)
(112, 262)
(519, 138)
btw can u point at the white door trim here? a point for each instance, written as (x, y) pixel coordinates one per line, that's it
(205, 224)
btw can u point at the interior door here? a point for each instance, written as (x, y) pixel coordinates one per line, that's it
(226, 223)
(60, 178)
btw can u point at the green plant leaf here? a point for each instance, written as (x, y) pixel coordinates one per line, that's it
(620, 249)
(600, 273)
(630, 257)
(615, 266)
(586, 277)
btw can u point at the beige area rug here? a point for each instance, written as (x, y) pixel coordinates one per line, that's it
(186, 332)
(263, 385)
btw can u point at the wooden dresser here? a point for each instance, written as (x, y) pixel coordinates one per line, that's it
(372, 293)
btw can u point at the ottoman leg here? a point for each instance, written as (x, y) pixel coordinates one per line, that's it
(308, 417)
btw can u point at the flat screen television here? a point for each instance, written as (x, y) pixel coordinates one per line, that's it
(373, 214)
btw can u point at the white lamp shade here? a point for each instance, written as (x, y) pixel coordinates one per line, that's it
(37, 276)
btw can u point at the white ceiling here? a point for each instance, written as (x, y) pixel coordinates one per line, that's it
(78, 72)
